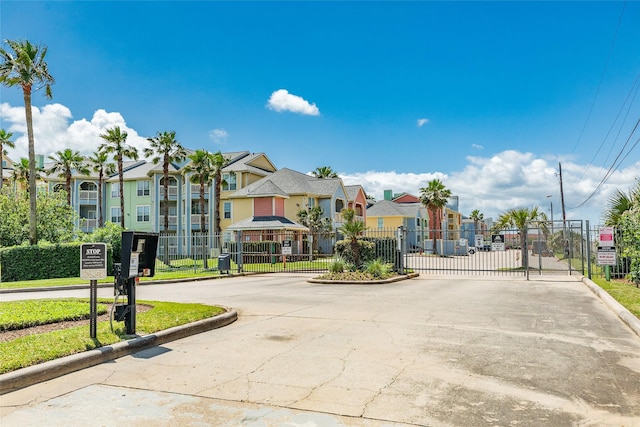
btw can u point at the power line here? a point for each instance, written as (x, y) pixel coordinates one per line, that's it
(606, 65)
(613, 167)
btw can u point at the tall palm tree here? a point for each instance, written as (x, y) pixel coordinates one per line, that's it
(435, 197)
(167, 149)
(5, 141)
(26, 67)
(218, 162)
(476, 216)
(201, 169)
(64, 162)
(520, 218)
(324, 172)
(115, 142)
(99, 161)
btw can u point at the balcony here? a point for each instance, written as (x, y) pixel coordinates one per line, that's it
(173, 191)
(88, 195)
(338, 218)
(195, 219)
(195, 189)
(173, 220)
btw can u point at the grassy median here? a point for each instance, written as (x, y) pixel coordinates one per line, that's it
(40, 347)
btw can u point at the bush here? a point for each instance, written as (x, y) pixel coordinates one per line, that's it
(111, 234)
(43, 261)
(337, 266)
(378, 268)
(344, 250)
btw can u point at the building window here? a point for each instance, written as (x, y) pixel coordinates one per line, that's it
(229, 181)
(339, 205)
(143, 188)
(311, 202)
(115, 215)
(227, 210)
(142, 213)
(380, 222)
(195, 207)
(115, 190)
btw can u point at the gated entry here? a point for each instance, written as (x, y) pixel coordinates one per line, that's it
(542, 247)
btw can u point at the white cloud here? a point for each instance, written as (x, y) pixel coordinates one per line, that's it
(219, 136)
(477, 146)
(282, 100)
(54, 130)
(422, 122)
(509, 179)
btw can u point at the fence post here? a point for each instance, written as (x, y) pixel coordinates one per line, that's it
(588, 250)
(239, 248)
(400, 237)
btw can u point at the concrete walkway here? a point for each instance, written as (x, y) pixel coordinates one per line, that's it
(427, 351)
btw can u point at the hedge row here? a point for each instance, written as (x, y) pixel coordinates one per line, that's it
(44, 262)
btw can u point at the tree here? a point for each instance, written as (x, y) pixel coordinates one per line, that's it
(167, 149)
(520, 218)
(218, 162)
(202, 170)
(55, 217)
(22, 172)
(619, 203)
(26, 67)
(64, 162)
(352, 229)
(435, 197)
(324, 172)
(99, 161)
(115, 142)
(318, 224)
(5, 141)
(476, 216)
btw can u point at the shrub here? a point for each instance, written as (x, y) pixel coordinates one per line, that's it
(344, 250)
(378, 268)
(337, 266)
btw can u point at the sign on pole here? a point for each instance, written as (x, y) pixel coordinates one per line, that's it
(606, 237)
(607, 255)
(93, 261)
(286, 247)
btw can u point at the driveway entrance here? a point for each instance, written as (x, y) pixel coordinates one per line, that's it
(421, 352)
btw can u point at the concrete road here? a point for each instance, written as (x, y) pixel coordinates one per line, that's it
(427, 351)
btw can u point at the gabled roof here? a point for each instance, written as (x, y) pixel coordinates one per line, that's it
(257, 163)
(134, 170)
(389, 208)
(353, 190)
(290, 182)
(267, 223)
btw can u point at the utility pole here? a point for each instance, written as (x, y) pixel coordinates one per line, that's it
(564, 215)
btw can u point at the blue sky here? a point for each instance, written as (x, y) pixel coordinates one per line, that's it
(487, 96)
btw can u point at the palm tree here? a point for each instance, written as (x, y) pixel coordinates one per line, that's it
(520, 218)
(324, 172)
(352, 229)
(476, 216)
(168, 150)
(22, 172)
(64, 162)
(218, 162)
(115, 142)
(202, 170)
(435, 196)
(26, 67)
(5, 141)
(619, 203)
(319, 225)
(100, 163)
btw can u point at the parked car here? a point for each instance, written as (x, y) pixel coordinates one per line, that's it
(485, 248)
(472, 250)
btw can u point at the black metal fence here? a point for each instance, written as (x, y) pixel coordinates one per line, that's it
(549, 247)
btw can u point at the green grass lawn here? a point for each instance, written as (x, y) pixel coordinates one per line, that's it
(625, 293)
(38, 348)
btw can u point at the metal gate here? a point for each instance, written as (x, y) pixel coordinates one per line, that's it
(543, 247)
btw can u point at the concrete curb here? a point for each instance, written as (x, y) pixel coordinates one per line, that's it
(370, 282)
(25, 377)
(625, 315)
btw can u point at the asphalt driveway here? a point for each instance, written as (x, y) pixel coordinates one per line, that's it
(427, 351)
